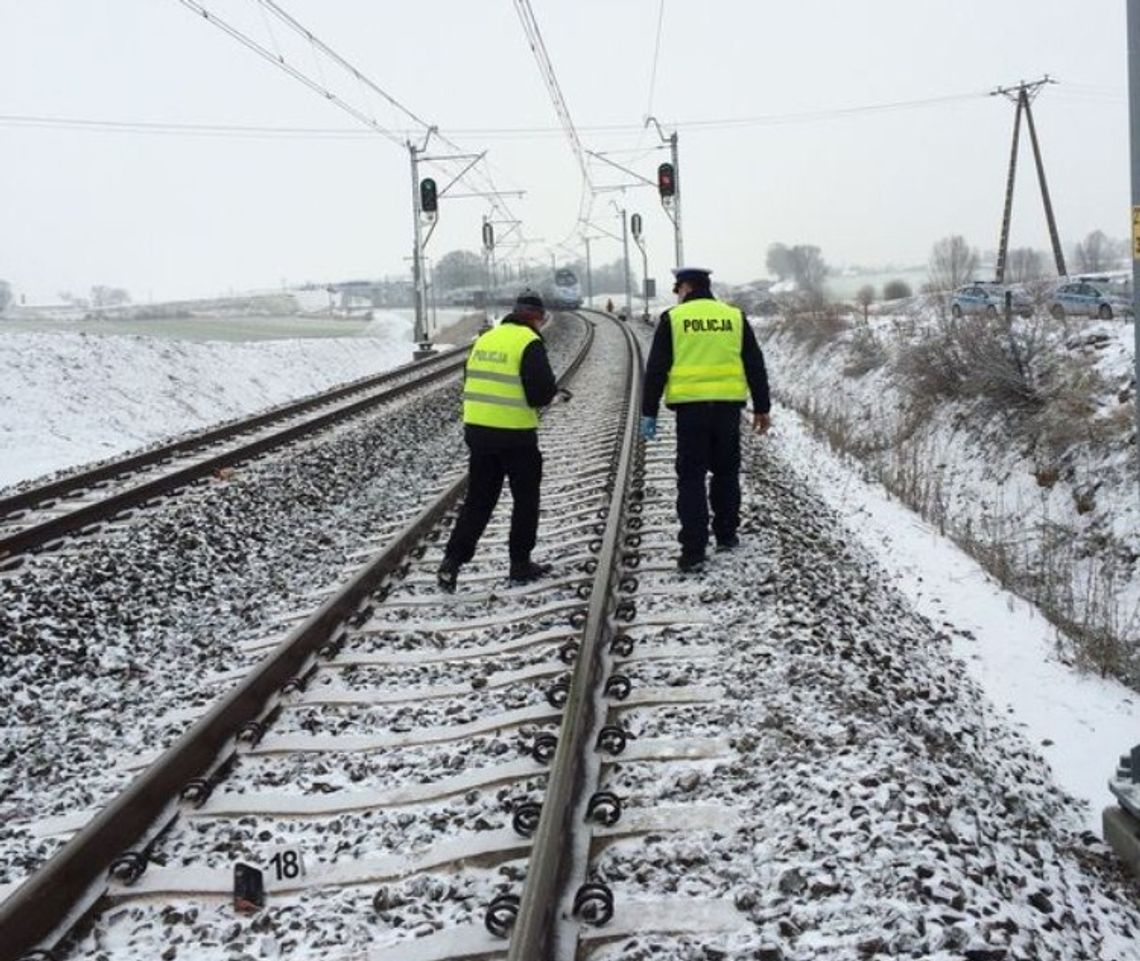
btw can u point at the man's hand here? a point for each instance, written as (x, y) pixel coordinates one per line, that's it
(649, 427)
(761, 422)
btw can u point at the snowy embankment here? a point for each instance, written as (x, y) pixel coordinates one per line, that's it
(68, 398)
(71, 398)
(1034, 476)
(1077, 722)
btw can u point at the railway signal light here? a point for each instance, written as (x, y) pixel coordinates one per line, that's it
(429, 201)
(666, 181)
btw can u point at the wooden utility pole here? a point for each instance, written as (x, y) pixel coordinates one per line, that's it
(1023, 95)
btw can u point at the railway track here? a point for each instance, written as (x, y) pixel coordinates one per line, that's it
(346, 699)
(774, 759)
(39, 517)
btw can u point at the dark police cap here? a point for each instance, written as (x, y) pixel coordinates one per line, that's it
(695, 276)
(528, 301)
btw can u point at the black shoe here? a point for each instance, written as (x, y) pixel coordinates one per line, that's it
(448, 575)
(728, 543)
(523, 572)
(690, 561)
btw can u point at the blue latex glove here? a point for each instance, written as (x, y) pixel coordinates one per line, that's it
(648, 427)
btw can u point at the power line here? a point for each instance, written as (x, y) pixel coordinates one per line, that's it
(656, 52)
(806, 116)
(347, 133)
(833, 113)
(191, 129)
(297, 27)
(401, 138)
(1089, 96)
(281, 63)
(546, 68)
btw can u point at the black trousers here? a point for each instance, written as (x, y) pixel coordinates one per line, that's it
(522, 466)
(708, 441)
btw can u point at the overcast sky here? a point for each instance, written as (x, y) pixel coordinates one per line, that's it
(167, 214)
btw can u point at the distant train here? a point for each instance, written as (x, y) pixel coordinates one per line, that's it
(560, 292)
(565, 293)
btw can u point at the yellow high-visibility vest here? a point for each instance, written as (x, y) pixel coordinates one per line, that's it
(493, 394)
(708, 337)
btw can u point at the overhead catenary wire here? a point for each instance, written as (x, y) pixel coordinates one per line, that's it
(272, 35)
(487, 182)
(546, 69)
(285, 17)
(656, 54)
(398, 137)
(282, 64)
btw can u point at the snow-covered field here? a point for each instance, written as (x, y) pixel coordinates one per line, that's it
(69, 398)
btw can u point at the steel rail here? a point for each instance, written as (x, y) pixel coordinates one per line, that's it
(53, 490)
(561, 847)
(54, 899)
(34, 910)
(36, 535)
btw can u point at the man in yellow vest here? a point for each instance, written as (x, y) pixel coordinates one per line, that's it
(508, 378)
(706, 360)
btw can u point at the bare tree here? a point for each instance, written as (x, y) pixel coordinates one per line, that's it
(952, 263)
(1098, 252)
(1024, 264)
(896, 290)
(458, 268)
(5, 295)
(864, 298)
(102, 296)
(779, 261)
(809, 271)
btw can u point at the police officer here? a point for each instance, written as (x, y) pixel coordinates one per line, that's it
(706, 361)
(508, 377)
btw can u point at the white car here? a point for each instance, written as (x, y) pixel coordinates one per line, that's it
(1089, 298)
(985, 297)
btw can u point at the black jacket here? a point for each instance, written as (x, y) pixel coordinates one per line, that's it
(538, 386)
(661, 360)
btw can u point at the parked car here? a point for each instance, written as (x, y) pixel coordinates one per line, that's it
(1089, 298)
(984, 297)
